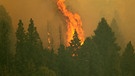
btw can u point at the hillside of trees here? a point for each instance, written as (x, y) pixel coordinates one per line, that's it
(98, 56)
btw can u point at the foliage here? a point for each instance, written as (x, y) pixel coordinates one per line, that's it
(5, 42)
(97, 56)
(128, 61)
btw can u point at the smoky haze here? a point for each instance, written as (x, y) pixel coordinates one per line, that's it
(45, 12)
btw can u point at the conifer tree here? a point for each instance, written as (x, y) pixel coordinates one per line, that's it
(21, 38)
(128, 61)
(89, 59)
(21, 51)
(33, 36)
(61, 60)
(5, 41)
(35, 48)
(105, 41)
(75, 44)
(64, 61)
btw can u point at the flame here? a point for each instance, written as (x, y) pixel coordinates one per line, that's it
(49, 40)
(73, 22)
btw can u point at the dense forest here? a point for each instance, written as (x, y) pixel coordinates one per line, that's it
(98, 56)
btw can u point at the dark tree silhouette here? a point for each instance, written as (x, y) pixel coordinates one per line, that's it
(21, 51)
(30, 54)
(75, 44)
(128, 61)
(61, 60)
(108, 49)
(52, 57)
(89, 59)
(33, 36)
(35, 47)
(5, 42)
(21, 38)
(64, 61)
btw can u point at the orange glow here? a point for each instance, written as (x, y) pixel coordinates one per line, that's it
(49, 40)
(73, 22)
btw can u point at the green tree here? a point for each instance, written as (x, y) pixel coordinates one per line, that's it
(49, 59)
(105, 39)
(64, 62)
(52, 57)
(44, 71)
(30, 54)
(128, 61)
(75, 44)
(21, 36)
(21, 51)
(35, 48)
(5, 42)
(89, 59)
(33, 36)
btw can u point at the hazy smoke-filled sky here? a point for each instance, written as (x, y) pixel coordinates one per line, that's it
(45, 12)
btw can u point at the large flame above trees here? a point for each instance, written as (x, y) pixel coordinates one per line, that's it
(73, 22)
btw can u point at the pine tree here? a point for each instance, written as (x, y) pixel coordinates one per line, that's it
(75, 44)
(128, 61)
(21, 38)
(35, 48)
(89, 59)
(33, 36)
(105, 41)
(52, 59)
(21, 50)
(84, 59)
(115, 28)
(64, 61)
(5, 42)
(33, 39)
(61, 60)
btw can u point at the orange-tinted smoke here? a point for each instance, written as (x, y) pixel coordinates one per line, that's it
(73, 22)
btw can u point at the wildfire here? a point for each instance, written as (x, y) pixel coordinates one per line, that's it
(73, 22)
(49, 40)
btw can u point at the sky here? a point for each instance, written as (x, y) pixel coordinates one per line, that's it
(45, 12)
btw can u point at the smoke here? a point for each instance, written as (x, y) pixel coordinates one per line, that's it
(43, 12)
(92, 10)
(46, 11)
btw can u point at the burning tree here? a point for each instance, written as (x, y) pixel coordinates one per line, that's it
(73, 22)
(68, 57)
(75, 44)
